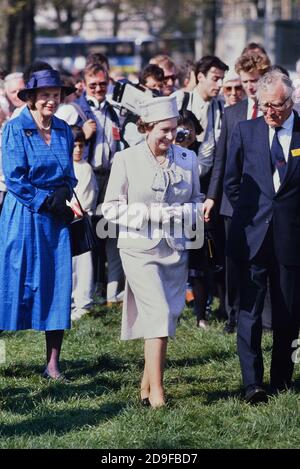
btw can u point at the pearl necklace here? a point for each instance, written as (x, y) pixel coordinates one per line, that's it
(161, 159)
(42, 127)
(45, 128)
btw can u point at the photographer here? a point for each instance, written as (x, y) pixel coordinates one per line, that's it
(204, 263)
(101, 128)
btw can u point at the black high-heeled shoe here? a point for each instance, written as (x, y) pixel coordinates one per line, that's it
(145, 402)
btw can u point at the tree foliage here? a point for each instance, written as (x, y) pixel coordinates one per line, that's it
(162, 17)
(70, 14)
(17, 33)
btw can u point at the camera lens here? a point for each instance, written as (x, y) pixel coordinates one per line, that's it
(182, 135)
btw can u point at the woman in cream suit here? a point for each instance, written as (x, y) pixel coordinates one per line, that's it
(154, 195)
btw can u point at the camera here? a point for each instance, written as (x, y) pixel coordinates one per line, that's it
(182, 135)
(130, 97)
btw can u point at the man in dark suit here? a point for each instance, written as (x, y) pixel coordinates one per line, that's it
(250, 67)
(262, 183)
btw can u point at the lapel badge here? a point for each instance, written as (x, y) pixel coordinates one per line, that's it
(295, 152)
(28, 133)
(183, 155)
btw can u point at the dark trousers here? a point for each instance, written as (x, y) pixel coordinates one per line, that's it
(231, 283)
(285, 301)
(232, 279)
(99, 254)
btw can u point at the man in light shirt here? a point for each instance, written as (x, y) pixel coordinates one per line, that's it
(203, 100)
(100, 125)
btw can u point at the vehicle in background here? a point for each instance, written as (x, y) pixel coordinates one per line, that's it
(128, 55)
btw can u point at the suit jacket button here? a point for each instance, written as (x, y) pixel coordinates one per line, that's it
(267, 220)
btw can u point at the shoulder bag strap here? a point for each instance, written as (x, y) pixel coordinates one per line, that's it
(79, 111)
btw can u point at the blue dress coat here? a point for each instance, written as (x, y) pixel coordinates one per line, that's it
(35, 254)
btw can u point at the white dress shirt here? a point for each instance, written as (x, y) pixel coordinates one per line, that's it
(105, 146)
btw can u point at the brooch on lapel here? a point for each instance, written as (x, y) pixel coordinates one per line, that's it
(183, 155)
(295, 152)
(28, 133)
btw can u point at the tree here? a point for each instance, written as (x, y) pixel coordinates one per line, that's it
(17, 33)
(70, 14)
(167, 17)
(162, 17)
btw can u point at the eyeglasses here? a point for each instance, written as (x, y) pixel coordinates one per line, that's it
(231, 88)
(277, 107)
(170, 77)
(101, 84)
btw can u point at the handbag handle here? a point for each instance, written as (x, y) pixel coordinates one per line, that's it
(73, 192)
(81, 209)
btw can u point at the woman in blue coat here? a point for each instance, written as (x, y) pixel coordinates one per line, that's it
(35, 255)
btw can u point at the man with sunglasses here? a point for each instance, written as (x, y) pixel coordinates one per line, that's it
(232, 88)
(249, 67)
(169, 70)
(262, 183)
(101, 127)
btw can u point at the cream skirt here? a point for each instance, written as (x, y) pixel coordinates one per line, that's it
(154, 292)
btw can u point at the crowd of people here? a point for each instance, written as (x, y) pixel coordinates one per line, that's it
(199, 187)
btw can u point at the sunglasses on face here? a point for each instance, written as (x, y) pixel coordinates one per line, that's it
(101, 84)
(170, 77)
(229, 89)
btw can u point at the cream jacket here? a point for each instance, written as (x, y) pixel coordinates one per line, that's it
(139, 187)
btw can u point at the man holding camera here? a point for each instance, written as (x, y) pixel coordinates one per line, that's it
(100, 124)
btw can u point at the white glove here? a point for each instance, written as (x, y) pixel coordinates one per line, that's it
(137, 215)
(156, 212)
(163, 213)
(175, 212)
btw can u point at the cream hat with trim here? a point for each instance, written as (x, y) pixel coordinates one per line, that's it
(159, 109)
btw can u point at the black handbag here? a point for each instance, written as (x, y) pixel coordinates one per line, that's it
(82, 233)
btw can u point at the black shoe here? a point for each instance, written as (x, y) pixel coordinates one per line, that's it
(145, 402)
(221, 315)
(255, 395)
(229, 328)
(276, 389)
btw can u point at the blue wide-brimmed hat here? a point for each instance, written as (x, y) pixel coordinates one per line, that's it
(44, 79)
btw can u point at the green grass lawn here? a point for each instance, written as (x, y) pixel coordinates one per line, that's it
(99, 408)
